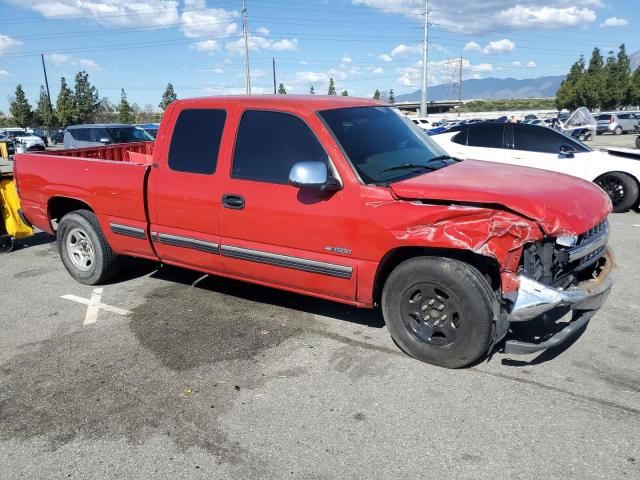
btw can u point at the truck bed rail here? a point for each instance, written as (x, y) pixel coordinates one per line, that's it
(121, 152)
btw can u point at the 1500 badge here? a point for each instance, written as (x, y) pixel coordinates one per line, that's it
(345, 251)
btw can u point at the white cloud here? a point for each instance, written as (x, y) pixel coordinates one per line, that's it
(261, 43)
(347, 60)
(205, 46)
(385, 57)
(264, 31)
(483, 17)
(310, 77)
(531, 64)
(472, 47)
(4, 73)
(147, 13)
(499, 46)
(546, 17)
(402, 50)
(198, 21)
(442, 71)
(66, 59)
(516, 63)
(8, 44)
(614, 22)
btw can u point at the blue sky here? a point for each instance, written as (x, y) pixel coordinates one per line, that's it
(362, 44)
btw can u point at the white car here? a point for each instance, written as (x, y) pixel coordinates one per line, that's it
(24, 140)
(617, 173)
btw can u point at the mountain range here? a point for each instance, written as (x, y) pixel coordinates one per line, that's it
(493, 88)
(501, 88)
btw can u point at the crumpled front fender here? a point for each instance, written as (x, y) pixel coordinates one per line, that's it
(493, 233)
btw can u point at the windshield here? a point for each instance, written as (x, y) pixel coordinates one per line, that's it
(383, 145)
(128, 134)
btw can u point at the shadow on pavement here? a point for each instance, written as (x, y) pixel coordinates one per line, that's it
(281, 298)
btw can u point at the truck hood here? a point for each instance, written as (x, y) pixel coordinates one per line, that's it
(559, 203)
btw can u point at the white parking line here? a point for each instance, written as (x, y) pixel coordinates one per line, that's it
(94, 305)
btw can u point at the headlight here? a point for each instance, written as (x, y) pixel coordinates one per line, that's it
(567, 240)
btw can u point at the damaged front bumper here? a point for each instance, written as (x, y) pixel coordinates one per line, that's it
(584, 299)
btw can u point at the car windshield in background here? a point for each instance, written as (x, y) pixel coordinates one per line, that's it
(383, 145)
(128, 134)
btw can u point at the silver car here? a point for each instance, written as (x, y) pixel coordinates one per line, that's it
(617, 123)
(94, 135)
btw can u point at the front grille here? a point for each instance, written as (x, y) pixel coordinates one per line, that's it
(558, 266)
(600, 229)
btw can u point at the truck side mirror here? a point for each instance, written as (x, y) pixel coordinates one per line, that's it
(312, 175)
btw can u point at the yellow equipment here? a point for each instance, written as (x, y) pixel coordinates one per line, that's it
(12, 227)
(4, 149)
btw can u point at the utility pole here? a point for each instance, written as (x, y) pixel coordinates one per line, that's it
(460, 87)
(274, 75)
(425, 59)
(46, 82)
(245, 32)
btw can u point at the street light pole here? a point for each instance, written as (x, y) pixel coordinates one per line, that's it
(425, 60)
(245, 32)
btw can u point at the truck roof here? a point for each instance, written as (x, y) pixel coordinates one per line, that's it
(306, 102)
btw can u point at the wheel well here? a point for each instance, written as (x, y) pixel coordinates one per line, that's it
(60, 206)
(488, 267)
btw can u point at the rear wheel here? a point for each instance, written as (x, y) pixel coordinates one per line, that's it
(621, 188)
(637, 142)
(618, 130)
(439, 310)
(84, 250)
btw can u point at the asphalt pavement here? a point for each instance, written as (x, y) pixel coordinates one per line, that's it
(180, 375)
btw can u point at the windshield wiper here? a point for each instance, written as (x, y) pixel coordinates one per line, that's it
(404, 166)
(443, 157)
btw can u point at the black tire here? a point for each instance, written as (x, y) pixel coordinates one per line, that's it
(637, 142)
(582, 137)
(618, 130)
(621, 188)
(468, 301)
(83, 227)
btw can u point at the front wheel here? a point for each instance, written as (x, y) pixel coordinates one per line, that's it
(84, 250)
(621, 188)
(637, 142)
(439, 310)
(618, 131)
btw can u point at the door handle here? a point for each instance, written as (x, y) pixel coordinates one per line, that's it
(231, 200)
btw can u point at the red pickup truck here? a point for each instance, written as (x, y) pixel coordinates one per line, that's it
(339, 198)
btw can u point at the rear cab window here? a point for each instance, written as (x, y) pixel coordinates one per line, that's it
(269, 143)
(195, 143)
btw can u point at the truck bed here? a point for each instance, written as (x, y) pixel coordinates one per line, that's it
(110, 179)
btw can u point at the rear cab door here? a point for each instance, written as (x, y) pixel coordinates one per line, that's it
(184, 187)
(278, 234)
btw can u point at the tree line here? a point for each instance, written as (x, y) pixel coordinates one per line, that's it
(82, 104)
(604, 84)
(388, 97)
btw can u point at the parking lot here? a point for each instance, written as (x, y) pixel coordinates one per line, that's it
(169, 374)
